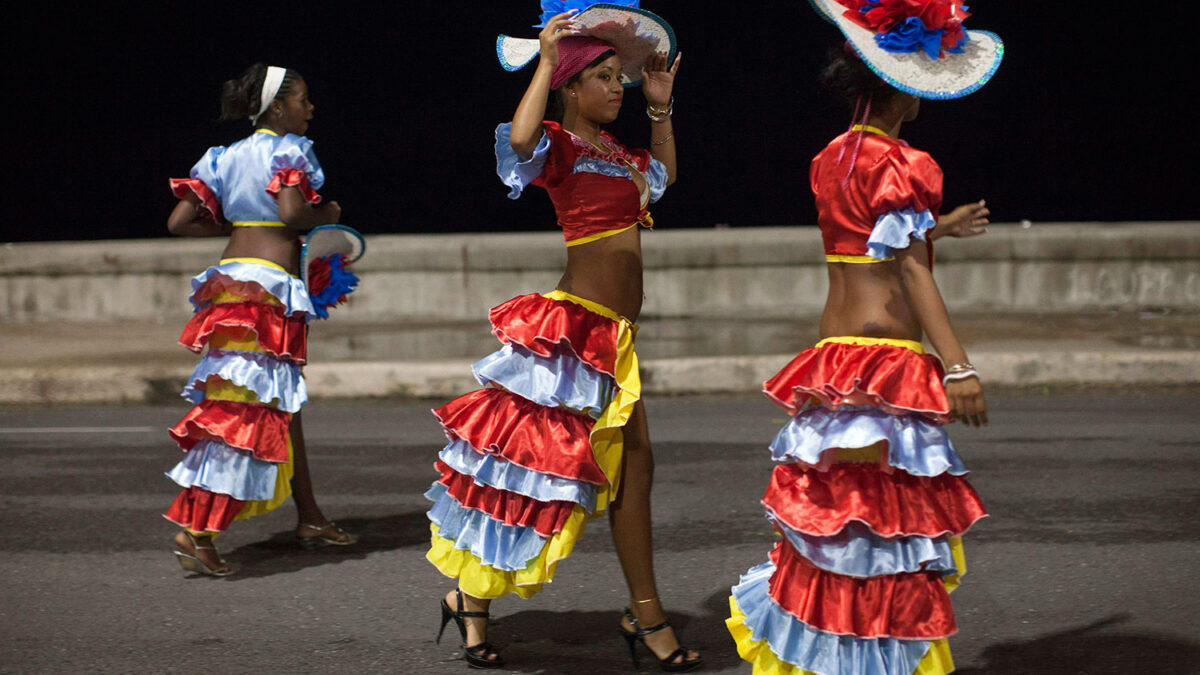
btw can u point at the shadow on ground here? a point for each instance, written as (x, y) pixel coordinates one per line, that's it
(281, 554)
(1091, 650)
(584, 643)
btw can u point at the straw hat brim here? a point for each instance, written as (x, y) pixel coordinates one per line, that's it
(952, 76)
(634, 33)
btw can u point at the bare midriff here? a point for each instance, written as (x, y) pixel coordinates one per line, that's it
(867, 300)
(607, 271)
(280, 245)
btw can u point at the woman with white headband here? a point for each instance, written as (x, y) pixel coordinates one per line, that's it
(243, 439)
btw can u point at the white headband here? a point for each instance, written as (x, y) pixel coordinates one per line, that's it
(270, 89)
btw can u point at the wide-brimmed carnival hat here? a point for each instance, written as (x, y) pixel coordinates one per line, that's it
(633, 33)
(917, 46)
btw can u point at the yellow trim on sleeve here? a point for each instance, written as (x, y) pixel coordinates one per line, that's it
(255, 261)
(854, 259)
(871, 342)
(599, 235)
(258, 223)
(265, 131)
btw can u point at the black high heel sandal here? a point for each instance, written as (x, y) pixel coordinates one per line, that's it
(668, 664)
(479, 655)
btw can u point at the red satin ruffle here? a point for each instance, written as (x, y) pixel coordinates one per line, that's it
(912, 606)
(257, 429)
(511, 508)
(281, 335)
(891, 504)
(894, 379)
(546, 440)
(539, 324)
(293, 178)
(180, 187)
(199, 510)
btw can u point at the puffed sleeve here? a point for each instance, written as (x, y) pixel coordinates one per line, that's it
(294, 164)
(204, 182)
(906, 195)
(654, 171)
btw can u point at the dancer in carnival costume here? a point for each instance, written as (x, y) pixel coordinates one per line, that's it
(243, 440)
(558, 435)
(870, 497)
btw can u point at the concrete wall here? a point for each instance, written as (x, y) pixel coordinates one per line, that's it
(774, 271)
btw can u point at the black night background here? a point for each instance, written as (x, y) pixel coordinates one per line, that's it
(107, 101)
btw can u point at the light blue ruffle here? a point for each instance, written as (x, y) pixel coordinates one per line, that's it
(515, 172)
(280, 285)
(559, 380)
(487, 470)
(814, 650)
(505, 547)
(856, 551)
(218, 468)
(915, 445)
(269, 378)
(894, 229)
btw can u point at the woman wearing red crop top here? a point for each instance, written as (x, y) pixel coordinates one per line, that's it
(558, 435)
(870, 497)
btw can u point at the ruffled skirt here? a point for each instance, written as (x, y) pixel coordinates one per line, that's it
(870, 501)
(537, 452)
(250, 321)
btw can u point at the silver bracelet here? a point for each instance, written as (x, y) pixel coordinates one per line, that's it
(664, 139)
(962, 374)
(658, 115)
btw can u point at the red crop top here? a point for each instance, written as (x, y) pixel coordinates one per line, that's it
(888, 176)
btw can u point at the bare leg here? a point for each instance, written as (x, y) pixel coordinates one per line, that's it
(629, 517)
(312, 523)
(202, 548)
(476, 626)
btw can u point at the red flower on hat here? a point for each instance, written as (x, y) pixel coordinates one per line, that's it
(881, 16)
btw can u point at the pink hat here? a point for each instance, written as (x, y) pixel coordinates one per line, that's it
(574, 54)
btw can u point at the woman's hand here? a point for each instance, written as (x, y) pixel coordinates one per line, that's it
(967, 220)
(556, 29)
(967, 404)
(330, 213)
(658, 80)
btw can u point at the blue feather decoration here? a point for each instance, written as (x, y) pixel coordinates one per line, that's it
(552, 8)
(341, 283)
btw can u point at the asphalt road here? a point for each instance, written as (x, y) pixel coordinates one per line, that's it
(1088, 563)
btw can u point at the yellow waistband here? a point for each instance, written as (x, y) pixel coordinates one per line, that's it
(258, 223)
(870, 341)
(255, 261)
(856, 259)
(590, 305)
(598, 235)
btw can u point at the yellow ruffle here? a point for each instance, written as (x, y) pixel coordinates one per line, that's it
(937, 661)
(217, 389)
(870, 341)
(960, 562)
(485, 581)
(283, 490)
(229, 296)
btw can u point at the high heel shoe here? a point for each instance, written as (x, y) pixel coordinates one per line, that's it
(477, 656)
(667, 664)
(192, 563)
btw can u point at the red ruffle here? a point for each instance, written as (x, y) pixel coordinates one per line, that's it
(892, 504)
(894, 379)
(279, 334)
(539, 324)
(257, 429)
(181, 187)
(293, 178)
(912, 606)
(511, 508)
(199, 510)
(546, 440)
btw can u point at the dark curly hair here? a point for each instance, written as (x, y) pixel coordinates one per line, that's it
(242, 97)
(852, 80)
